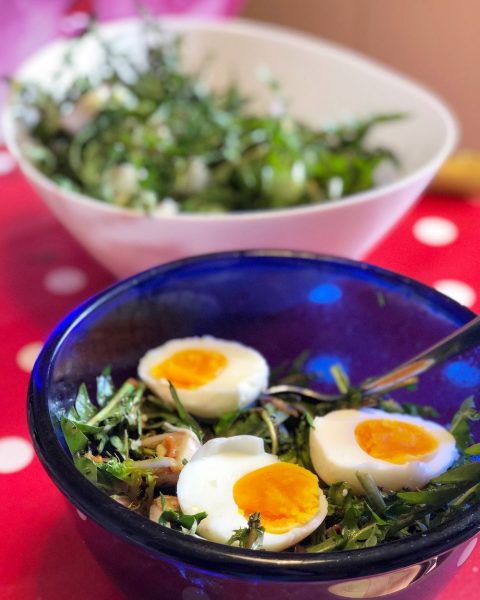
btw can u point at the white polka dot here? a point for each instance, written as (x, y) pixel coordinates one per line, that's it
(81, 515)
(435, 231)
(15, 454)
(27, 356)
(65, 280)
(475, 569)
(467, 551)
(7, 163)
(459, 291)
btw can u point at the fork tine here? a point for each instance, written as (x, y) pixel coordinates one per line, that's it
(278, 390)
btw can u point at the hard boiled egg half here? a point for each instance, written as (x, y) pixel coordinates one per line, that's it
(397, 450)
(232, 478)
(211, 376)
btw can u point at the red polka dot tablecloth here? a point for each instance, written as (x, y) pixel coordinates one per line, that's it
(44, 274)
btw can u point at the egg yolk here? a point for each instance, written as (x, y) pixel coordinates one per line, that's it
(190, 369)
(394, 441)
(285, 495)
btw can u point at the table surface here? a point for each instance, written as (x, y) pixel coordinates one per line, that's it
(44, 273)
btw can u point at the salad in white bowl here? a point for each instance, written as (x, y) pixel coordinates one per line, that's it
(152, 141)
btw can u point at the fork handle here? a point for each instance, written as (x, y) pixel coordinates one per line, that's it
(458, 341)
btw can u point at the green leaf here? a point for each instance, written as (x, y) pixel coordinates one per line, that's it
(460, 427)
(365, 536)
(377, 518)
(372, 492)
(296, 448)
(463, 474)
(223, 427)
(75, 439)
(87, 468)
(465, 497)
(187, 419)
(83, 405)
(309, 419)
(125, 470)
(341, 379)
(473, 450)
(332, 543)
(114, 406)
(250, 536)
(127, 478)
(188, 522)
(339, 494)
(436, 497)
(419, 410)
(84, 428)
(118, 443)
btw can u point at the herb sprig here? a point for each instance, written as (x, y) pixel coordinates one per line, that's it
(250, 536)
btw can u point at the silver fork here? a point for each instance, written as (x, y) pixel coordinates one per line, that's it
(462, 339)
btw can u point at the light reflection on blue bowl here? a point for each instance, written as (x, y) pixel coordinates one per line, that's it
(321, 366)
(325, 293)
(462, 374)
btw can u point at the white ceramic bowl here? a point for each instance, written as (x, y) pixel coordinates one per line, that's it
(324, 84)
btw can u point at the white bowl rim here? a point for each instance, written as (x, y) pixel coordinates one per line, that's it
(276, 33)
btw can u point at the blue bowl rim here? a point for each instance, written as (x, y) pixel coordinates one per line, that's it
(171, 545)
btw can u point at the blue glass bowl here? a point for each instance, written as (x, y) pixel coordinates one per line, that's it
(365, 318)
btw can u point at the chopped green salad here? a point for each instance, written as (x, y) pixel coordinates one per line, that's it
(152, 136)
(280, 473)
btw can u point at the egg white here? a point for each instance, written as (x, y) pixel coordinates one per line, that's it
(240, 383)
(206, 484)
(337, 456)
